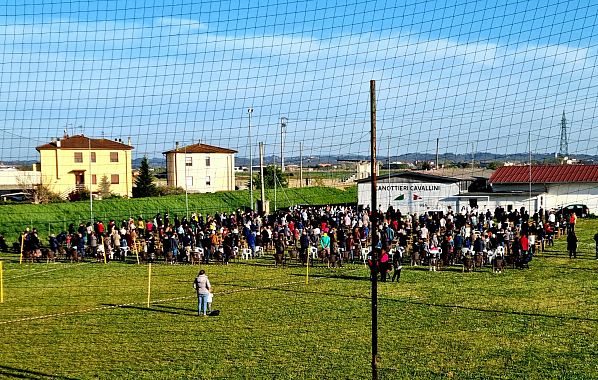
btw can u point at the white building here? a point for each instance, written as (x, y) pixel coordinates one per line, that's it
(410, 191)
(201, 168)
(511, 187)
(13, 179)
(549, 186)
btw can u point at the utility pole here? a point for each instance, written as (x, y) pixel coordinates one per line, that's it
(564, 145)
(250, 111)
(374, 231)
(301, 164)
(529, 139)
(283, 127)
(263, 191)
(437, 143)
(90, 183)
(186, 189)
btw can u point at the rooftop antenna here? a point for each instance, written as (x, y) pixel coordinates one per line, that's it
(564, 145)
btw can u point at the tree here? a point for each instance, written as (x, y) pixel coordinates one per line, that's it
(144, 183)
(37, 192)
(494, 165)
(104, 187)
(270, 173)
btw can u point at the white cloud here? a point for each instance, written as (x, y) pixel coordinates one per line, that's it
(181, 23)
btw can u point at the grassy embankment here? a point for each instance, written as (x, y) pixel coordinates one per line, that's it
(56, 217)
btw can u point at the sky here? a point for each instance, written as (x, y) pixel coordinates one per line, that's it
(479, 76)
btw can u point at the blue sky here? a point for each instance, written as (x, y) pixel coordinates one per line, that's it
(475, 74)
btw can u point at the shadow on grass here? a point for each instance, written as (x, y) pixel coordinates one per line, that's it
(190, 310)
(17, 373)
(341, 276)
(445, 306)
(159, 309)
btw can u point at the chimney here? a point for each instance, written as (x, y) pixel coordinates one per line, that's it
(176, 145)
(58, 143)
(129, 141)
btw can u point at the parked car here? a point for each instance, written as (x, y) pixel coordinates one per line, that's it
(581, 210)
(16, 197)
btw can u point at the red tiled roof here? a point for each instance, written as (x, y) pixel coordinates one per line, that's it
(82, 142)
(201, 148)
(546, 174)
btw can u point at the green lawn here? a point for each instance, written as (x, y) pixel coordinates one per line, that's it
(91, 321)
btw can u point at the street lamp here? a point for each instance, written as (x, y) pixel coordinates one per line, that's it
(250, 111)
(283, 127)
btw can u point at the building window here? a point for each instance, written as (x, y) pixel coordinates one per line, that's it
(207, 160)
(78, 157)
(114, 179)
(94, 179)
(208, 181)
(188, 161)
(113, 157)
(93, 156)
(189, 181)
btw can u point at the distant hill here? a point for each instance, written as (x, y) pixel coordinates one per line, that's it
(155, 162)
(480, 157)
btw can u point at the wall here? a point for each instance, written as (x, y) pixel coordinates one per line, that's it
(565, 194)
(410, 196)
(558, 195)
(12, 178)
(57, 166)
(220, 171)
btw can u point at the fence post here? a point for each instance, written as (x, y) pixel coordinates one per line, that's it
(1, 281)
(104, 247)
(149, 284)
(307, 270)
(136, 250)
(22, 243)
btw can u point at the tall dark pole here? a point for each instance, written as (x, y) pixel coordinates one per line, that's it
(250, 111)
(374, 231)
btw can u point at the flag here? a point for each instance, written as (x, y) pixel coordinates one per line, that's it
(400, 197)
(416, 197)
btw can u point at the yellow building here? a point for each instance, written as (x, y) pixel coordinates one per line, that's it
(78, 162)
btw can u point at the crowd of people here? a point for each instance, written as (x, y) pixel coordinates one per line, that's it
(333, 235)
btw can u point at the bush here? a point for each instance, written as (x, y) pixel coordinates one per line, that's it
(170, 190)
(78, 195)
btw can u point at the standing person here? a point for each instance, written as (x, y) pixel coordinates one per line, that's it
(572, 221)
(202, 288)
(383, 265)
(596, 240)
(325, 245)
(397, 263)
(93, 243)
(279, 247)
(304, 245)
(572, 244)
(53, 242)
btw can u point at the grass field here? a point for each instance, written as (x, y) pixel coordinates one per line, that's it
(53, 218)
(91, 321)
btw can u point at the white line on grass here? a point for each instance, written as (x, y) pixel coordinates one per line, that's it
(44, 271)
(98, 308)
